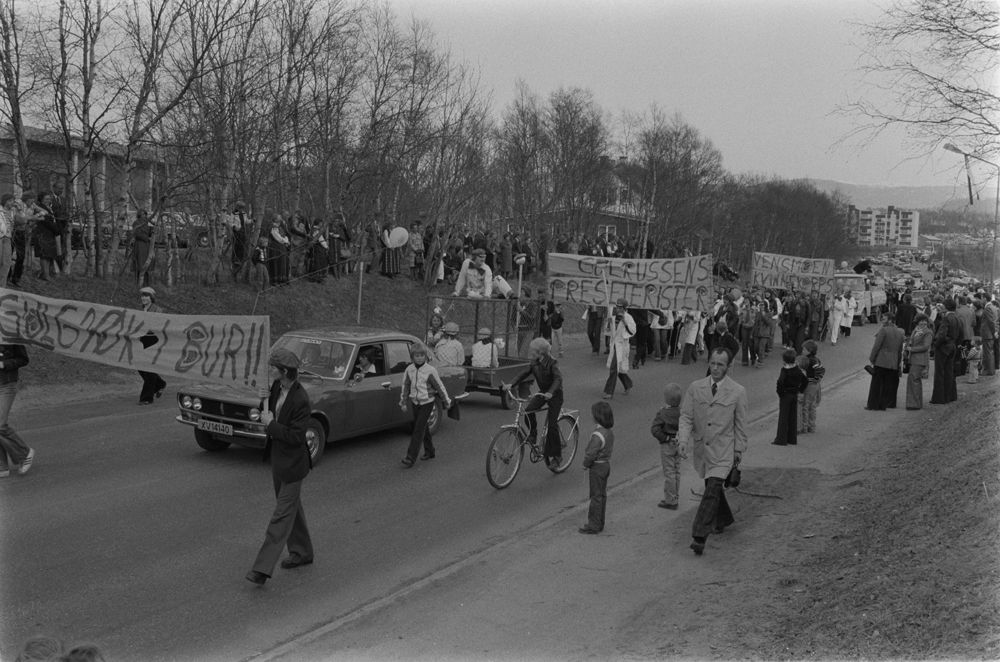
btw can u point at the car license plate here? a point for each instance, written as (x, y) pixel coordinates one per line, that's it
(215, 427)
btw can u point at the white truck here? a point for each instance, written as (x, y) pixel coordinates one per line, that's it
(870, 297)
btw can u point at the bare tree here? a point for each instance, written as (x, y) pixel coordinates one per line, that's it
(16, 83)
(930, 67)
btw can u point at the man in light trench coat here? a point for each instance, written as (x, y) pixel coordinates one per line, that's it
(622, 328)
(714, 419)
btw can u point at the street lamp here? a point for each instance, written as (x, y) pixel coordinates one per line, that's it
(996, 210)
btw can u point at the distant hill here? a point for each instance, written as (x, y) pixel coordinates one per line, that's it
(905, 197)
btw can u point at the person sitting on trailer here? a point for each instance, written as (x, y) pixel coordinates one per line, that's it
(449, 350)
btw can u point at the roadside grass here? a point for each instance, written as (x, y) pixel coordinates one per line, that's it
(914, 573)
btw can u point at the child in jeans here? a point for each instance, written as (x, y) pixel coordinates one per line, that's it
(791, 382)
(811, 397)
(665, 430)
(974, 357)
(596, 459)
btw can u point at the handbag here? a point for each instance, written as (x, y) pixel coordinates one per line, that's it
(453, 411)
(733, 479)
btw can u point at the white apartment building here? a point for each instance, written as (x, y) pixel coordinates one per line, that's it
(884, 227)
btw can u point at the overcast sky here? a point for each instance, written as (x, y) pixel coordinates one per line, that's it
(759, 78)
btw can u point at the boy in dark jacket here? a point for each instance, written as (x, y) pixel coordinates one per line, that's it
(791, 382)
(665, 430)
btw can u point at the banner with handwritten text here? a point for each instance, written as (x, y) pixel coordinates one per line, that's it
(787, 272)
(224, 349)
(659, 284)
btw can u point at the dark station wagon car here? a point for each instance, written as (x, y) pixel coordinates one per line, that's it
(342, 406)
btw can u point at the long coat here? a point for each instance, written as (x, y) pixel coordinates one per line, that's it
(717, 425)
(888, 347)
(286, 435)
(620, 333)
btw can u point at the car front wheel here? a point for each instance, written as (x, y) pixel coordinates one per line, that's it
(316, 440)
(209, 443)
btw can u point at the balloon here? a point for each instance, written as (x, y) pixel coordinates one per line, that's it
(398, 238)
(843, 265)
(736, 293)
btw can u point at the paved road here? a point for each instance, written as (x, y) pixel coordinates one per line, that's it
(128, 535)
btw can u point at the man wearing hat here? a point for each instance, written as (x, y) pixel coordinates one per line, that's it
(475, 277)
(152, 384)
(285, 420)
(622, 328)
(449, 349)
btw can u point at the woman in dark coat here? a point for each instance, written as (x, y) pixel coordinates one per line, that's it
(949, 331)
(46, 229)
(319, 252)
(277, 252)
(340, 247)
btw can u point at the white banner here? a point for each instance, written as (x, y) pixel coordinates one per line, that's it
(787, 272)
(231, 350)
(660, 284)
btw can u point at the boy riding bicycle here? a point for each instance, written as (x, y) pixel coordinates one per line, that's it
(545, 370)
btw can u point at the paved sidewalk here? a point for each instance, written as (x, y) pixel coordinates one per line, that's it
(551, 593)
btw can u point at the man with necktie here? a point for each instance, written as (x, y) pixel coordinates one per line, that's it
(714, 418)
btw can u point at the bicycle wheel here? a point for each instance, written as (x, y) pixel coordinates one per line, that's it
(504, 458)
(569, 435)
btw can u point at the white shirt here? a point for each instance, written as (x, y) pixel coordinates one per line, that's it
(485, 355)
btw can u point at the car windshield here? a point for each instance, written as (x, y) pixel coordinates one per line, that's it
(326, 358)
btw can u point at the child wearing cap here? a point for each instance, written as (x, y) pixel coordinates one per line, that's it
(664, 429)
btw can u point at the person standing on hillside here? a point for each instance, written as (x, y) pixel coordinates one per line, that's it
(714, 421)
(918, 351)
(988, 332)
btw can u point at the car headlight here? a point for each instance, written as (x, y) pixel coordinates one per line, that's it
(186, 401)
(196, 404)
(254, 414)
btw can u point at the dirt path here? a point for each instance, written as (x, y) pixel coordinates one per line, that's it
(882, 545)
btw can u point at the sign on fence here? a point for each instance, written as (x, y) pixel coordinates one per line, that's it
(786, 272)
(662, 284)
(224, 349)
